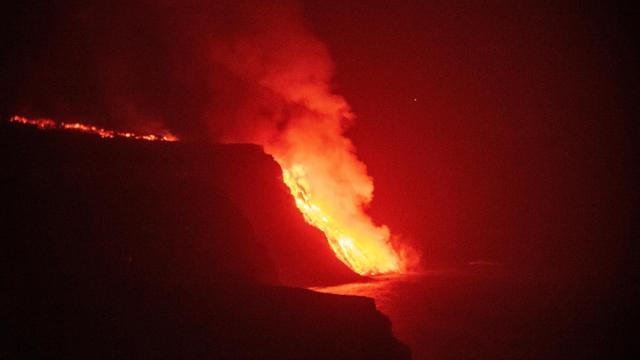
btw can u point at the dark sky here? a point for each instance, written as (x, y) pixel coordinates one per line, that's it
(499, 131)
(493, 131)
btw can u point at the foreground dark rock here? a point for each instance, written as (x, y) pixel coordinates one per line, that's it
(120, 249)
(219, 321)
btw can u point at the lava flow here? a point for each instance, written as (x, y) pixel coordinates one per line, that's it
(355, 240)
(103, 133)
(297, 118)
(329, 187)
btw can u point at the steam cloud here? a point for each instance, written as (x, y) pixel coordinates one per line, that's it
(301, 123)
(242, 71)
(296, 118)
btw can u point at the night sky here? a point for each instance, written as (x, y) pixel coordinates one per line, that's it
(496, 132)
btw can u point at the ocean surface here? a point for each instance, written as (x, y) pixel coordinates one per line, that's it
(486, 311)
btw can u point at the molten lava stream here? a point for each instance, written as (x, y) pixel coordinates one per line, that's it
(103, 133)
(356, 241)
(359, 244)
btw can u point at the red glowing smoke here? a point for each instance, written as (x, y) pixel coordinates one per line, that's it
(238, 71)
(298, 120)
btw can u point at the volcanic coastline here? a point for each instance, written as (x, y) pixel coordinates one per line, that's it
(117, 248)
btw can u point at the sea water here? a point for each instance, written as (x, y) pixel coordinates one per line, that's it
(485, 311)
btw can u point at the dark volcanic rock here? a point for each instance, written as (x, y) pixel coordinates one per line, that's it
(86, 174)
(125, 249)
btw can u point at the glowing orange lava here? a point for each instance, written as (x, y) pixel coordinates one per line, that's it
(326, 200)
(103, 133)
(356, 241)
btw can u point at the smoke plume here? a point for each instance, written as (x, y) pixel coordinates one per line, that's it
(239, 71)
(298, 120)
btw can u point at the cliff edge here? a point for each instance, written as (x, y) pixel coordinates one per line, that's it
(125, 249)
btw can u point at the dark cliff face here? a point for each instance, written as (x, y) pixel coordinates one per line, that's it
(137, 193)
(253, 182)
(123, 204)
(128, 249)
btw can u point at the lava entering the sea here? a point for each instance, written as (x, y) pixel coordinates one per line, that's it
(297, 118)
(328, 202)
(355, 240)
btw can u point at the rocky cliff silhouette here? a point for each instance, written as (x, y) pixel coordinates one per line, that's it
(127, 249)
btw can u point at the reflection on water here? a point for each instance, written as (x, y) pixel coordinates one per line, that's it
(488, 312)
(389, 292)
(398, 297)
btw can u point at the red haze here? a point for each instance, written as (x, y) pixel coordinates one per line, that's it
(497, 132)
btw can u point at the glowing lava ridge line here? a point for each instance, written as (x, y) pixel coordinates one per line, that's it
(103, 133)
